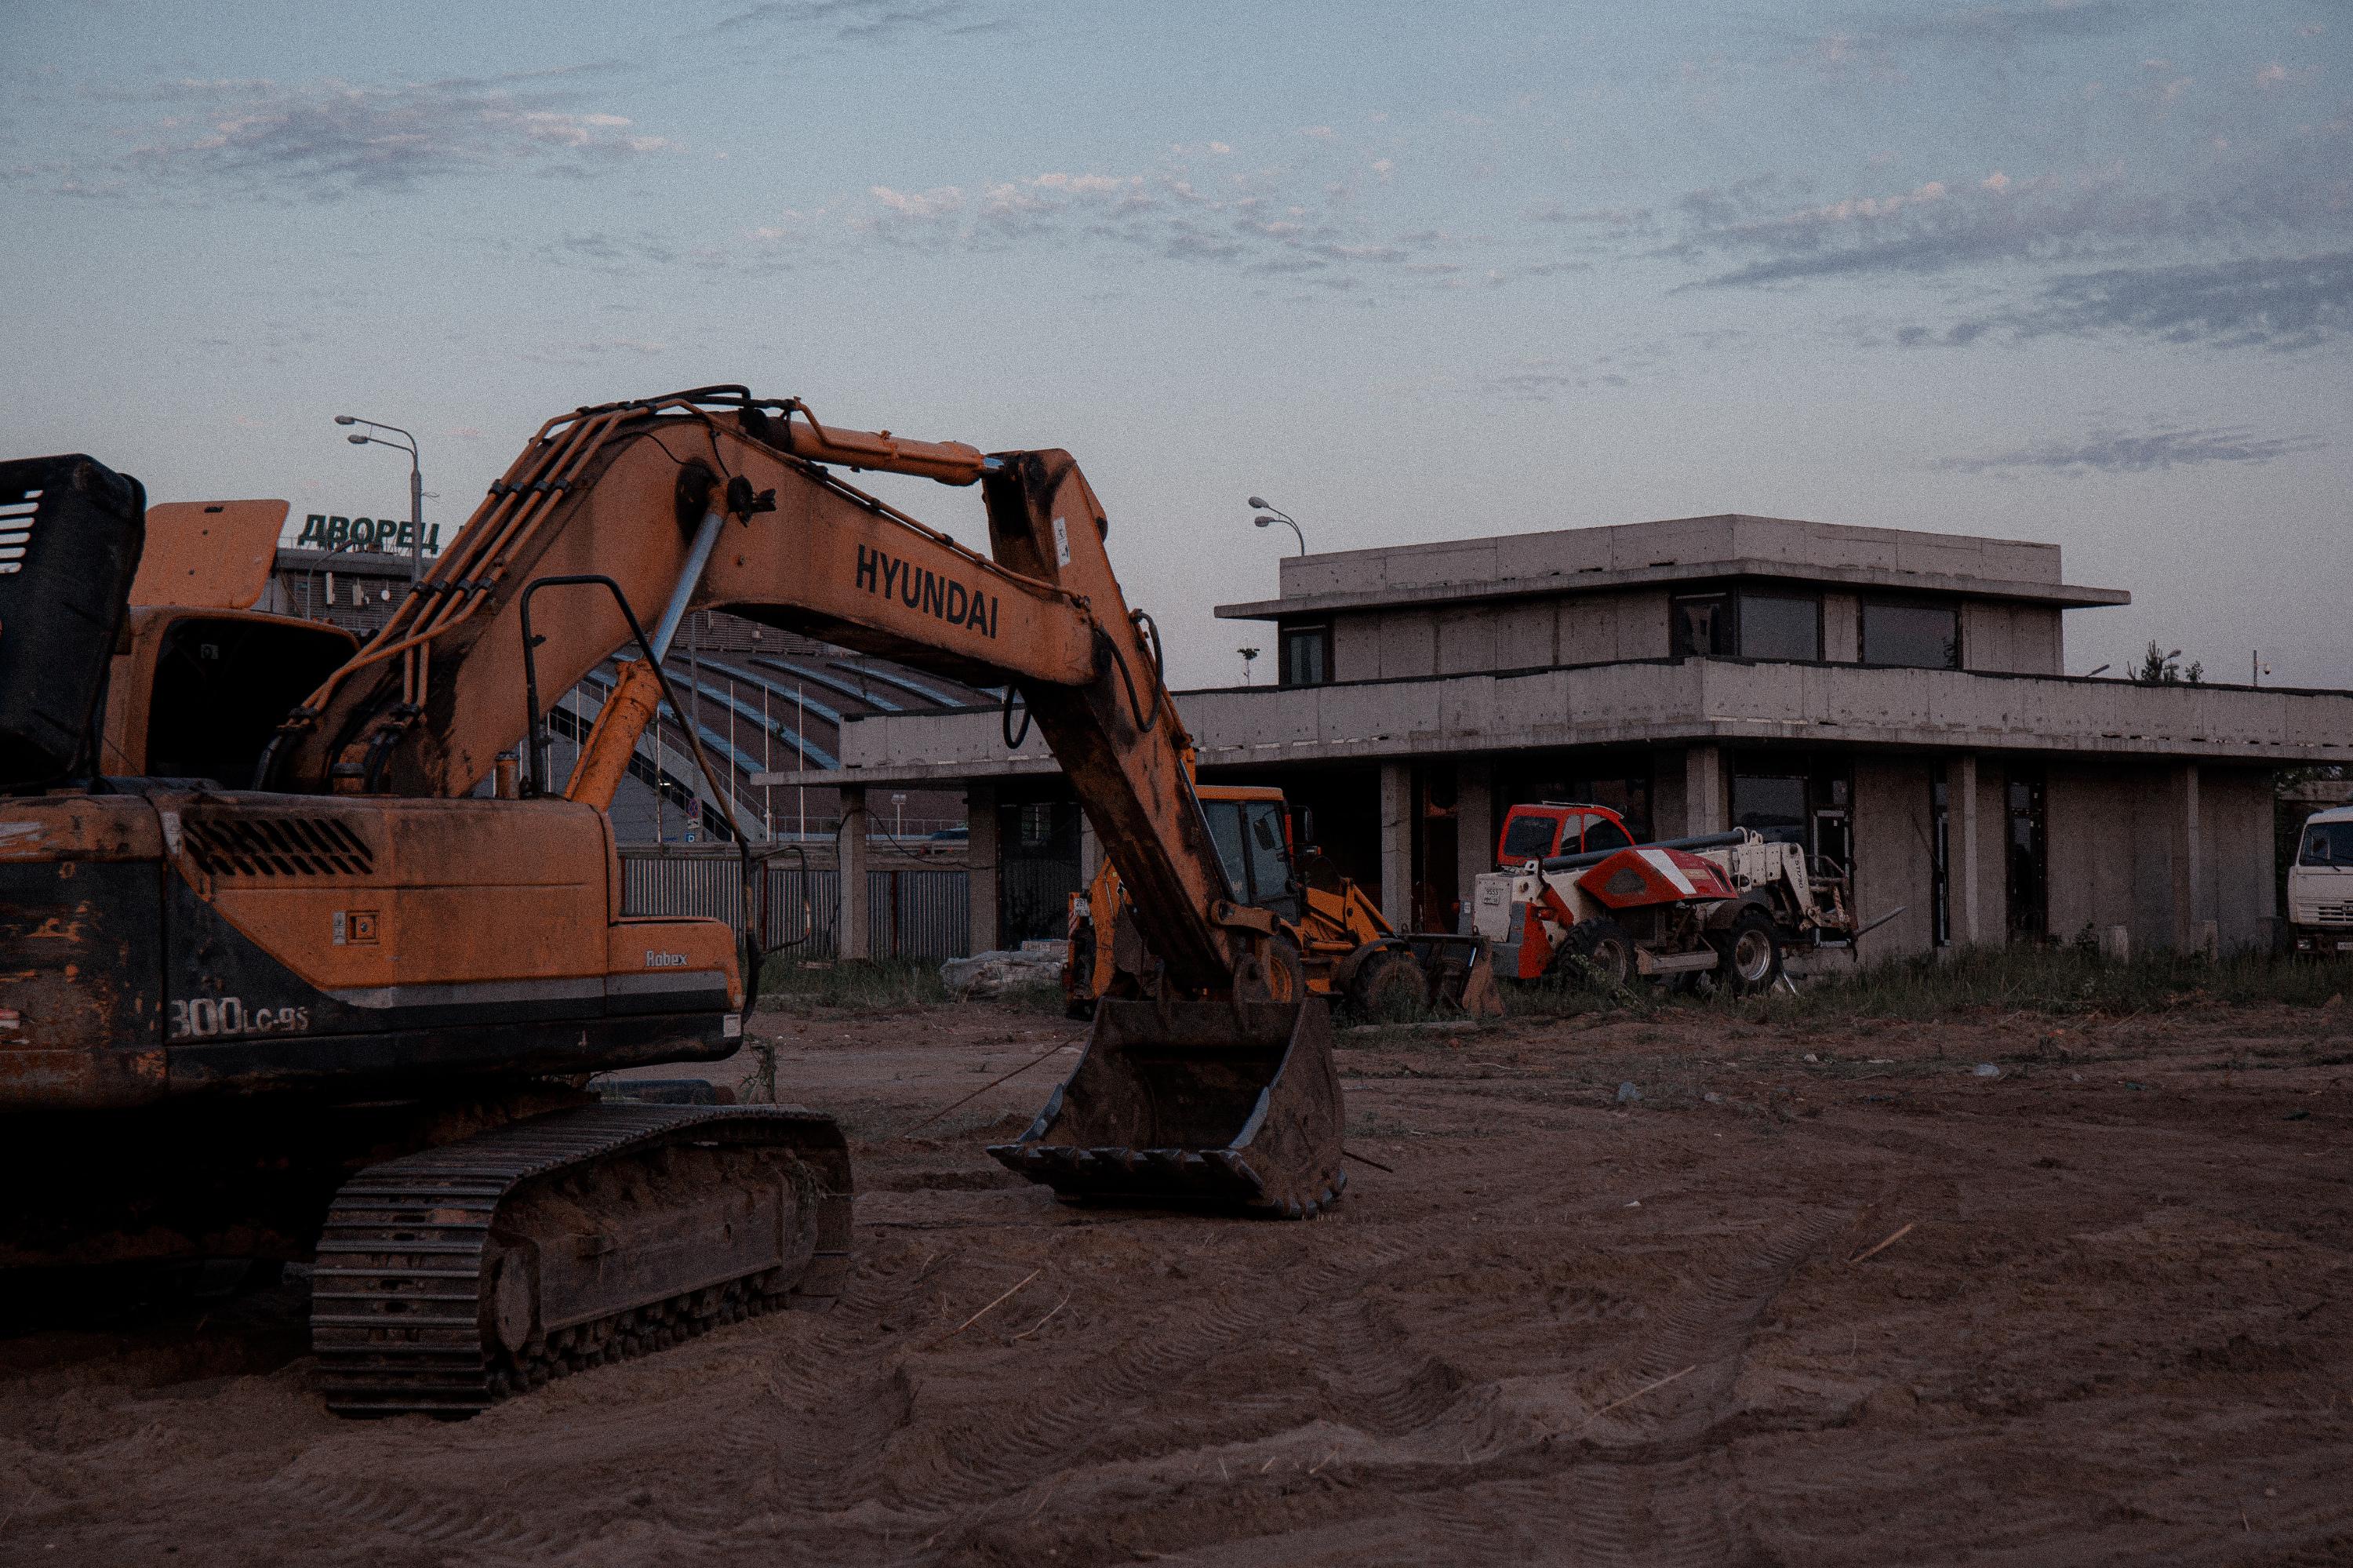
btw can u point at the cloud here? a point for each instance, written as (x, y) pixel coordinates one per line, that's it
(862, 21)
(2283, 304)
(1258, 224)
(331, 139)
(1542, 380)
(2268, 302)
(2284, 186)
(1999, 35)
(584, 351)
(2112, 451)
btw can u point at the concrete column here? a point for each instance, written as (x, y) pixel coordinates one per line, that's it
(1474, 829)
(1704, 809)
(850, 857)
(982, 859)
(1964, 828)
(2188, 883)
(1397, 843)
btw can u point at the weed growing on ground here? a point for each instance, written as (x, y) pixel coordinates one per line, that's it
(2069, 981)
(861, 985)
(2062, 980)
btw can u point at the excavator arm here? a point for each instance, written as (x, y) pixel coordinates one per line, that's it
(1221, 1089)
(713, 499)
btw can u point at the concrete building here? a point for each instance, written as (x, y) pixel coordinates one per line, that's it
(1896, 698)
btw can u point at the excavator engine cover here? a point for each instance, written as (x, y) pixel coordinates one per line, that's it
(1219, 1104)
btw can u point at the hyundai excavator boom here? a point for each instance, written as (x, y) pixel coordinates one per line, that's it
(717, 500)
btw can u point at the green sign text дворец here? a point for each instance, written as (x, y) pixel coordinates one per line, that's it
(322, 532)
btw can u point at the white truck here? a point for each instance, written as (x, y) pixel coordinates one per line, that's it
(2320, 885)
(1724, 906)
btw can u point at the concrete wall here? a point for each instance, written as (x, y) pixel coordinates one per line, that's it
(1599, 628)
(1682, 541)
(1664, 703)
(1841, 627)
(2011, 639)
(1893, 854)
(1384, 646)
(2120, 853)
(2237, 813)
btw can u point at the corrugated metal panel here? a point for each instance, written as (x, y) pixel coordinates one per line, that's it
(914, 913)
(917, 914)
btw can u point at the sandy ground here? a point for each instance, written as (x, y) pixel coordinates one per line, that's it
(2116, 1325)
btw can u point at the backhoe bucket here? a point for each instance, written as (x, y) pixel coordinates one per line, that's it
(1198, 1104)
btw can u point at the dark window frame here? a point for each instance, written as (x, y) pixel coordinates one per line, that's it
(1866, 603)
(1678, 642)
(1740, 597)
(1728, 627)
(2026, 855)
(1940, 857)
(1289, 633)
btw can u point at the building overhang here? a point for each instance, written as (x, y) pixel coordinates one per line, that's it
(1653, 703)
(1606, 579)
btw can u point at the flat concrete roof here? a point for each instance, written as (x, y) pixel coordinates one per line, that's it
(1671, 550)
(1660, 702)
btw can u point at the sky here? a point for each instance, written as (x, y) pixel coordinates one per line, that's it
(2079, 272)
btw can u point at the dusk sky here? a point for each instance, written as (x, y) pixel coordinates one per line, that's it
(2078, 273)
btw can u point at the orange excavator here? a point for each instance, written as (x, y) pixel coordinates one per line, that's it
(325, 984)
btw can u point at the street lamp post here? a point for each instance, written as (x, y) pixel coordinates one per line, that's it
(416, 485)
(1274, 516)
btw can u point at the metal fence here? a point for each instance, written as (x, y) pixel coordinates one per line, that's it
(911, 913)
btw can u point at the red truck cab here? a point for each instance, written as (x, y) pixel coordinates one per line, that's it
(1552, 828)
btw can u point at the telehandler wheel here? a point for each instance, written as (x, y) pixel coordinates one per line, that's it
(1752, 953)
(1387, 985)
(1597, 951)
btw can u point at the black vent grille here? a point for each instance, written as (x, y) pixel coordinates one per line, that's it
(275, 846)
(18, 510)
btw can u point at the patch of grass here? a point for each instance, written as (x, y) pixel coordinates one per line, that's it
(859, 985)
(2062, 982)
(1046, 996)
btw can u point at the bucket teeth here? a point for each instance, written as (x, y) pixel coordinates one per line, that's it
(1195, 1104)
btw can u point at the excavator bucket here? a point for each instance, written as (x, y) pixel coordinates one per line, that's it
(1212, 1104)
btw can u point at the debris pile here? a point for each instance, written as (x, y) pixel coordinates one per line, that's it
(992, 974)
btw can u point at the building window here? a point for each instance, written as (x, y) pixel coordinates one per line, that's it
(1307, 654)
(1940, 857)
(1038, 869)
(1751, 623)
(1781, 625)
(1703, 625)
(1774, 807)
(2029, 913)
(1800, 797)
(1911, 634)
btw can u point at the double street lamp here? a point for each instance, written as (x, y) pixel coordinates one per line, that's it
(416, 483)
(1273, 516)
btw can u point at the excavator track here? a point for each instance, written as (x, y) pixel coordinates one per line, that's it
(450, 1279)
